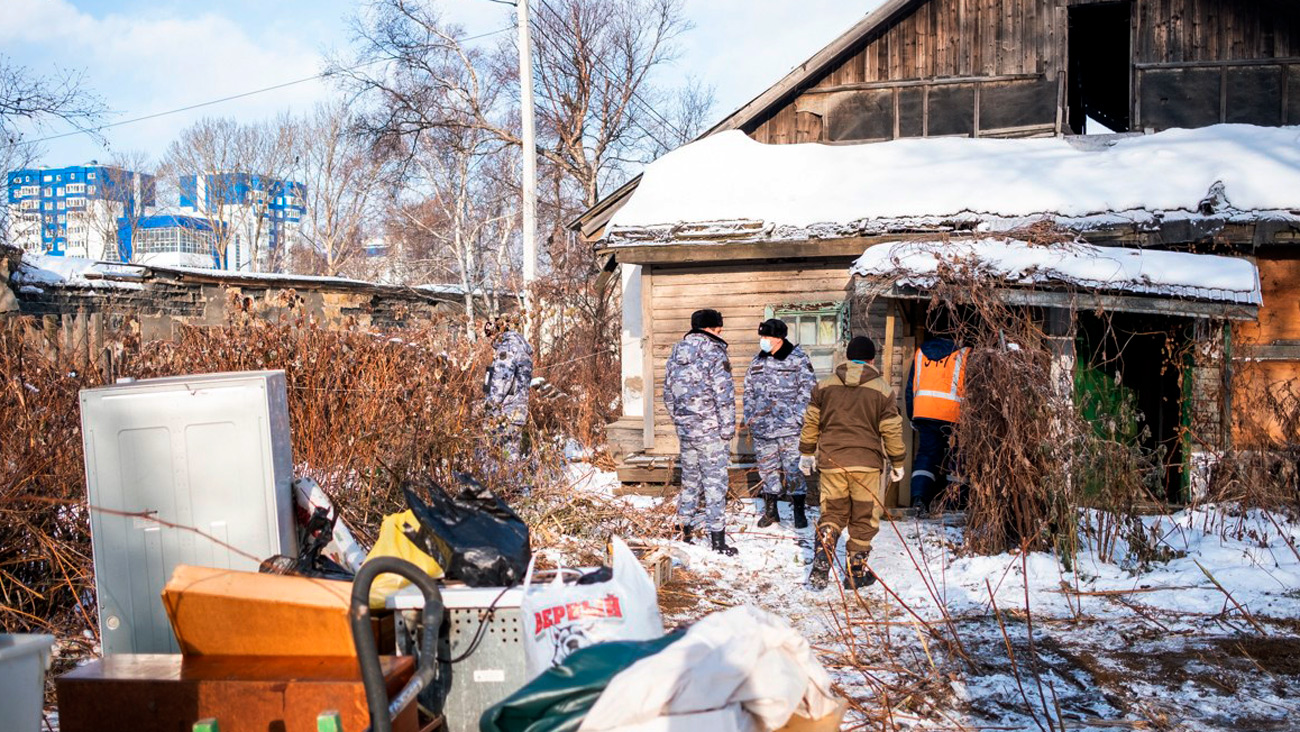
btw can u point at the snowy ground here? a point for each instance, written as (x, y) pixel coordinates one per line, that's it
(1208, 639)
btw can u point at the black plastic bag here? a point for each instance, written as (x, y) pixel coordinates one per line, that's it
(310, 562)
(475, 537)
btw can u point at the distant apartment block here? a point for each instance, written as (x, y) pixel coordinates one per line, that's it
(259, 216)
(171, 240)
(74, 211)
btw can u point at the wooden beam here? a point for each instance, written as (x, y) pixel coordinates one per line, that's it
(933, 81)
(662, 254)
(1216, 64)
(647, 358)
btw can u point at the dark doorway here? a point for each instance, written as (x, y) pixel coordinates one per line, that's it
(1100, 65)
(1131, 366)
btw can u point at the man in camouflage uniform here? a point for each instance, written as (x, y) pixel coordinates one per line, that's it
(701, 399)
(778, 385)
(509, 378)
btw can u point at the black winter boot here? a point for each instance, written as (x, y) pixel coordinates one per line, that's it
(800, 518)
(720, 543)
(770, 516)
(686, 532)
(821, 566)
(858, 575)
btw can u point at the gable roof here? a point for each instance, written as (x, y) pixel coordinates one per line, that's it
(593, 220)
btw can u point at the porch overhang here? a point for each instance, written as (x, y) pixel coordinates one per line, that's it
(1071, 275)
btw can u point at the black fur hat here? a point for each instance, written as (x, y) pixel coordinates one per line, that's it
(774, 328)
(701, 319)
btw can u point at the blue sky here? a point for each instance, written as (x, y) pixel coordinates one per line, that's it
(147, 56)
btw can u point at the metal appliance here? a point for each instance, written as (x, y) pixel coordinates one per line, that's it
(182, 470)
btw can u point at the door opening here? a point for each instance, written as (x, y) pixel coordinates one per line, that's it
(1100, 67)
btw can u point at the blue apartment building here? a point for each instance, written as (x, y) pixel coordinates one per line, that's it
(74, 210)
(262, 213)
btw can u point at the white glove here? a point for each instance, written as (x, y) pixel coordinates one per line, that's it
(895, 473)
(807, 464)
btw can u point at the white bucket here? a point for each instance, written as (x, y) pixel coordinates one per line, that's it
(23, 661)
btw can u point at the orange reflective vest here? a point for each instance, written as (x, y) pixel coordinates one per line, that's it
(938, 386)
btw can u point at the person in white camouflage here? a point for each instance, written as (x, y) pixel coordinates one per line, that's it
(701, 399)
(506, 388)
(778, 385)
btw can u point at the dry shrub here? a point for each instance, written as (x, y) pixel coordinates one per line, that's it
(45, 564)
(367, 410)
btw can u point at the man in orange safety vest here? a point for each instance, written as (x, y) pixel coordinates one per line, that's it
(934, 392)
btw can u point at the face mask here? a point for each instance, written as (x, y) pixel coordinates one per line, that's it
(765, 345)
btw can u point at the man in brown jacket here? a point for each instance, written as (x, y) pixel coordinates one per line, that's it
(851, 426)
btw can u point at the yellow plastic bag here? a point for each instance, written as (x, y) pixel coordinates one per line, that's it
(393, 543)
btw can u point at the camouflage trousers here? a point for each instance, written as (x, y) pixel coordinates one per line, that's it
(778, 463)
(704, 471)
(502, 455)
(851, 499)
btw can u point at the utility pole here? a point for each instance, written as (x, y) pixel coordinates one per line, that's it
(529, 144)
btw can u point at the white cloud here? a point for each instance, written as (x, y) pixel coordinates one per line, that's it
(143, 64)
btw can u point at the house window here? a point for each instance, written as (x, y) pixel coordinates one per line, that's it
(90, 176)
(47, 179)
(818, 327)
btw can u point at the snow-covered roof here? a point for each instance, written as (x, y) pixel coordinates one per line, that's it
(44, 270)
(728, 184)
(1020, 263)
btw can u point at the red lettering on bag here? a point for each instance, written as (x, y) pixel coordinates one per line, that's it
(605, 607)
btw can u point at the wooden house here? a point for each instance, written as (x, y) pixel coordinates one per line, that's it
(957, 70)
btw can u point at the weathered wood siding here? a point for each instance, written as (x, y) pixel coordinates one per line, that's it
(741, 293)
(1266, 358)
(997, 68)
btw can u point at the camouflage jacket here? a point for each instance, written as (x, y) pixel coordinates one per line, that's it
(777, 389)
(508, 379)
(698, 388)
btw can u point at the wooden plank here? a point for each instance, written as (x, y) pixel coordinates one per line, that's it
(736, 252)
(930, 81)
(795, 281)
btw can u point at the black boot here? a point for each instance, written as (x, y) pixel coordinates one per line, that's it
(686, 532)
(770, 516)
(821, 566)
(720, 543)
(800, 518)
(858, 575)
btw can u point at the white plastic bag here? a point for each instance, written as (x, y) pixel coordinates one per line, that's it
(560, 616)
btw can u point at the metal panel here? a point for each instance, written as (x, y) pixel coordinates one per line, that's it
(492, 672)
(209, 457)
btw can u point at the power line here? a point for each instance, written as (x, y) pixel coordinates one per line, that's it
(646, 106)
(241, 95)
(632, 92)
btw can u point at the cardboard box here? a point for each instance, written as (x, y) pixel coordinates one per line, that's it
(222, 612)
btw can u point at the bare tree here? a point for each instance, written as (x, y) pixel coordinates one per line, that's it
(42, 100)
(230, 174)
(346, 183)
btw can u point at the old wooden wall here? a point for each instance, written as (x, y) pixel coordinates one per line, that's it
(741, 292)
(997, 68)
(1266, 357)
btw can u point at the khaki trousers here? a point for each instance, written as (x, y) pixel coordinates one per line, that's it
(851, 499)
